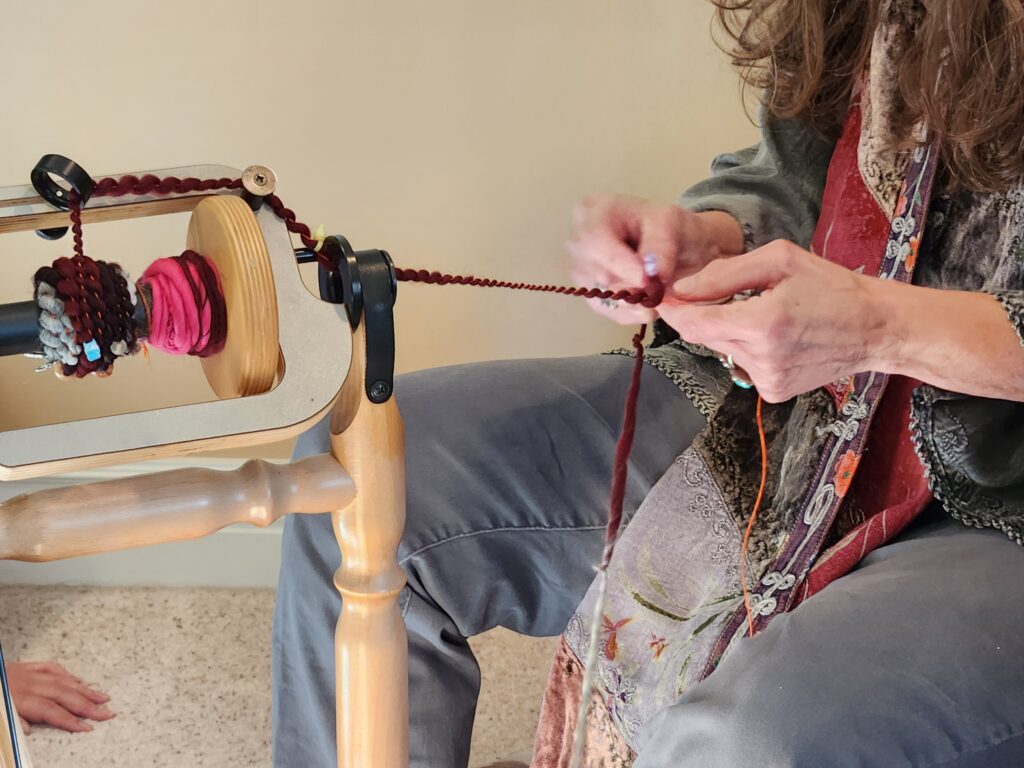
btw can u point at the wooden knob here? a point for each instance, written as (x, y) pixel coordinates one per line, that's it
(225, 230)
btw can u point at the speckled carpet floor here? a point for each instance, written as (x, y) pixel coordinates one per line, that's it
(188, 672)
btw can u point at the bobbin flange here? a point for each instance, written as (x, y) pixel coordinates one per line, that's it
(224, 230)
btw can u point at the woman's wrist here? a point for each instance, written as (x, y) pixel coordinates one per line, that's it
(886, 315)
(962, 341)
(723, 234)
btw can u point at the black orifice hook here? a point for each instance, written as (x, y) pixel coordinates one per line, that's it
(53, 193)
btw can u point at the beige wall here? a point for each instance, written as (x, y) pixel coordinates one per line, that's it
(456, 134)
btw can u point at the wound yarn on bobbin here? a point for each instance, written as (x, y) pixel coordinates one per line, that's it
(185, 305)
(87, 308)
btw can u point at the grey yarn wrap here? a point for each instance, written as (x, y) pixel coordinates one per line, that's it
(56, 335)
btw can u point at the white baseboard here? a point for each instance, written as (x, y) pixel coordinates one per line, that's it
(238, 556)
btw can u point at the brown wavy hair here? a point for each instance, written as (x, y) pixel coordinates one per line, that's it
(963, 71)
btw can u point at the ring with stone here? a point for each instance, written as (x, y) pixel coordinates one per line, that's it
(738, 375)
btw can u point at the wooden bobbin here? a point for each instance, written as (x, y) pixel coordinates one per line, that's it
(224, 229)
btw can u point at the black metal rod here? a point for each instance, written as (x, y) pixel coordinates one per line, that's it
(9, 709)
(19, 328)
(19, 322)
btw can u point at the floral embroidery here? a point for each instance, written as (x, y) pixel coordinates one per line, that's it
(659, 644)
(620, 690)
(764, 603)
(897, 251)
(903, 225)
(845, 469)
(852, 412)
(610, 649)
(911, 258)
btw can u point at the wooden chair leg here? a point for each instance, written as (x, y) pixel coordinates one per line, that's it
(371, 649)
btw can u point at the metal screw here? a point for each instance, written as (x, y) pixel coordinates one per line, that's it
(259, 180)
(379, 391)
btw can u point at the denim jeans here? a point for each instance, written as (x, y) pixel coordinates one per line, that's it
(914, 659)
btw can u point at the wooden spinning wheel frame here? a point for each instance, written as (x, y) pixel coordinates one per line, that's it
(320, 365)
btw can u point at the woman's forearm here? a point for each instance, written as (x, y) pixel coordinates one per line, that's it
(724, 231)
(956, 340)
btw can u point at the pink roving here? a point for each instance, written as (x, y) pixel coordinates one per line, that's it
(180, 314)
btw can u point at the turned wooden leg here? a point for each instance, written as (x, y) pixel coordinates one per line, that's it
(371, 651)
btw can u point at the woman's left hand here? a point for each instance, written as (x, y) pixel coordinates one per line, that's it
(810, 323)
(48, 693)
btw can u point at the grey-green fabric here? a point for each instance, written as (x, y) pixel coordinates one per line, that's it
(971, 448)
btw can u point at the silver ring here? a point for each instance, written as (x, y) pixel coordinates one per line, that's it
(742, 382)
(738, 375)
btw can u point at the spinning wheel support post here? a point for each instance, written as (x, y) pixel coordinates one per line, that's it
(367, 438)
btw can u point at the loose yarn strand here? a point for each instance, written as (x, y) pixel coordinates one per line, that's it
(623, 448)
(753, 519)
(579, 738)
(649, 296)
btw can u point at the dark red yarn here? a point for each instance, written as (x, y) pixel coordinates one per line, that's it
(287, 215)
(623, 447)
(650, 296)
(154, 185)
(149, 184)
(77, 282)
(92, 299)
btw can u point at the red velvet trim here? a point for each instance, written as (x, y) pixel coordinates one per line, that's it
(890, 488)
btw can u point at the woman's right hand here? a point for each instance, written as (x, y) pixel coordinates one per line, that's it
(611, 236)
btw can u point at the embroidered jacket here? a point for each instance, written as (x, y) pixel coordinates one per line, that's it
(674, 605)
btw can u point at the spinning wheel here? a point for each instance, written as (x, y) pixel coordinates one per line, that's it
(287, 360)
(279, 360)
(305, 349)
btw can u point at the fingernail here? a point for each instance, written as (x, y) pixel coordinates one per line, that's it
(104, 712)
(650, 264)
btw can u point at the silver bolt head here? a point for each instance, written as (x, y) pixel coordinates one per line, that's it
(259, 180)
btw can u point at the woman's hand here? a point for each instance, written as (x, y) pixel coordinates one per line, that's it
(48, 693)
(612, 235)
(812, 322)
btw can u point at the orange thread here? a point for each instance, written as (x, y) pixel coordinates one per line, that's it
(753, 518)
